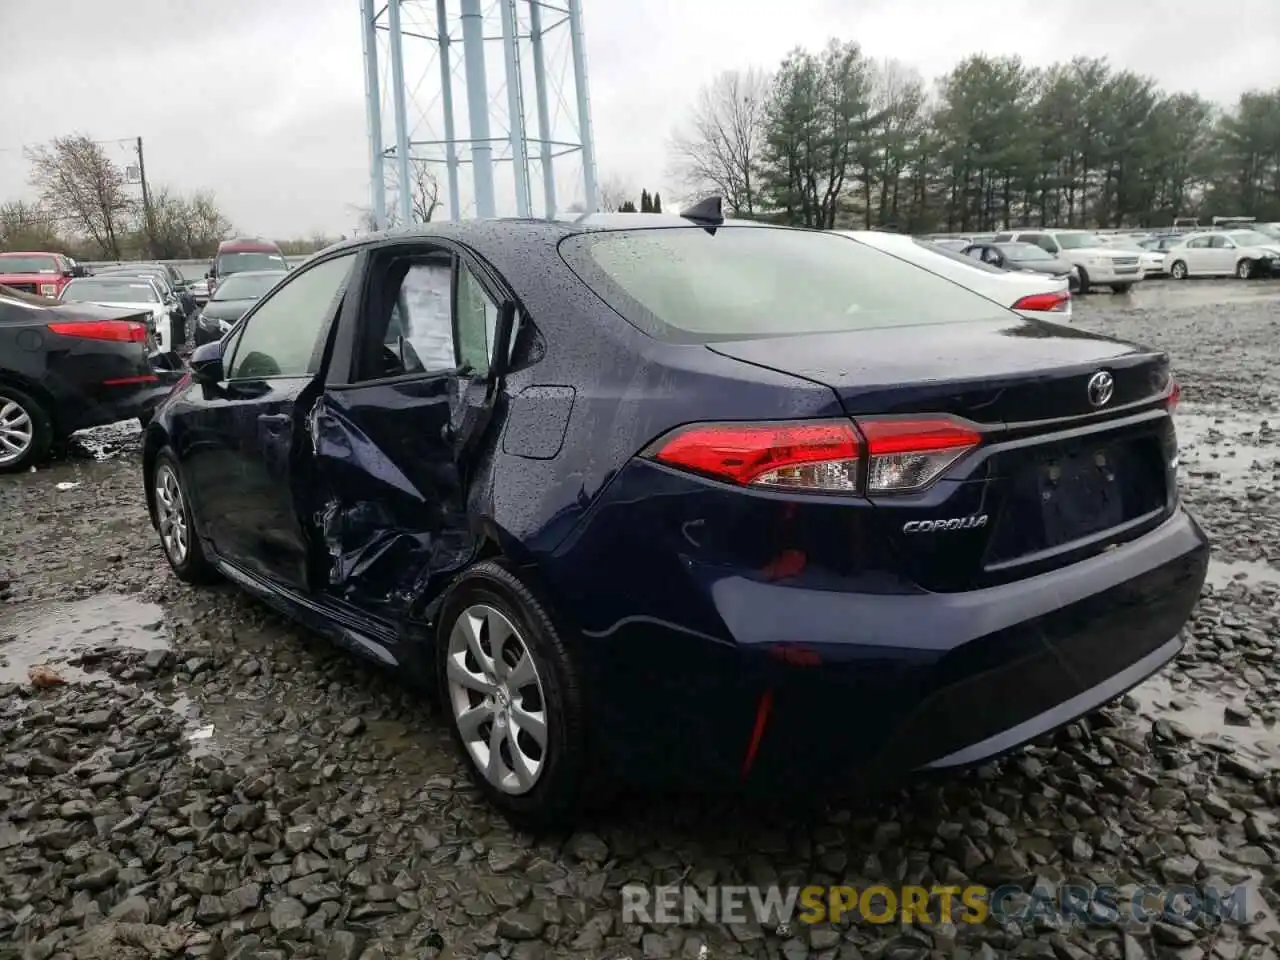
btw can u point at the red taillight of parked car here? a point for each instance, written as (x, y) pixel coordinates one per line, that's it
(117, 331)
(1045, 302)
(1175, 394)
(901, 454)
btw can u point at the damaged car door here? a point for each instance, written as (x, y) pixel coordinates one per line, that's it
(241, 471)
(392, 434)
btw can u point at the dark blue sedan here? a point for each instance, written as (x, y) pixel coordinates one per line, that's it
(685, 501)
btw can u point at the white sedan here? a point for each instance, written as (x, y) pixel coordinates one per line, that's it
(1033, 295)
(1223, 253)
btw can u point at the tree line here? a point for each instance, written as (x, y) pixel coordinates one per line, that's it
(835, 139)
(86, 207)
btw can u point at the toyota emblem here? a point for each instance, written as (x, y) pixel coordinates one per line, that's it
(1101, 386)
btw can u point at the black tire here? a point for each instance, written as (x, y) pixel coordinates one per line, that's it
(25, 413)
(1178, 270)
(192, 566)
(1083, 282)
(1121, 287)
(1244, 269)
(558, 792)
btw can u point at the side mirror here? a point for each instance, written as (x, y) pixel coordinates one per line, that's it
(206, 363)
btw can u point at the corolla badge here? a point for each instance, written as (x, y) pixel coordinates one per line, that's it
(974, 522)
(1101, 386)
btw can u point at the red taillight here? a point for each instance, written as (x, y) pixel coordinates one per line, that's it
(910, 453)
(1175, 394)
(118, 331)
(903, 454)
(819, 455)
(1045, 302)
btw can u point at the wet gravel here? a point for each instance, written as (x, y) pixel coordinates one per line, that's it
(212, 782)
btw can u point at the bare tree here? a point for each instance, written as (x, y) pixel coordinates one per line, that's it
(80, 185)
(614, 192)
(26, 226)
(426, 191)
(719, 149)
(183, 227)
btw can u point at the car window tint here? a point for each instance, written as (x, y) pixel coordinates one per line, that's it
(280, 339)
(690, 285)
(477, 322)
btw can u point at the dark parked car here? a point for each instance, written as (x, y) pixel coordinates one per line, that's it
(67, 366)
(233, 296)
(687, 500)
(1019, 256)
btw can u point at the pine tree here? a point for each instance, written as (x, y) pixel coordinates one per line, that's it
(657, 202)
(627, 207)
(645, 207)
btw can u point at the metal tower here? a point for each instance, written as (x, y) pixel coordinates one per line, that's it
(414, 51)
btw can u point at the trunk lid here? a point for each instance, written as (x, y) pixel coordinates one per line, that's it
(1057, 476)
(995, 373)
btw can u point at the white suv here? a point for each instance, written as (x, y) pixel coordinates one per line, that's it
(1095, 263)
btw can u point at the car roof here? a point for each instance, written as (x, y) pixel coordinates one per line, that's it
(247, 245)
(500, 229)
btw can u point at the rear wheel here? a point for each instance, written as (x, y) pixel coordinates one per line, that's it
(1178, 271)
(513, 697)
(26, 430)
(182, 547)
(1244, 269)
(1082, 283)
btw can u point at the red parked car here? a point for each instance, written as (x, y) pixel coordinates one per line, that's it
(42, 274)
(241, 254)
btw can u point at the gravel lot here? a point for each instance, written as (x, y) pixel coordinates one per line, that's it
(215, 783)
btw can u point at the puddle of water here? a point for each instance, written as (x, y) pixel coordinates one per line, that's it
(1228, 445)
(58, 632)
(105, 442)
(1203, 715)
(1251, 572)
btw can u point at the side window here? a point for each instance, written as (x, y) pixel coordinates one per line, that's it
(1002, 238)
(477, 322)
(407, 318)
(974, 252)
(1043, 241)
(1220, 243)
(1198, 243)
(281, 337)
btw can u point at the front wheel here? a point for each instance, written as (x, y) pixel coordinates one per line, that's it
(513, 698)
(1244, 269)
(1121, 287)
(1082, 282)
(1178, 271)
(26, 430)
(182, 547)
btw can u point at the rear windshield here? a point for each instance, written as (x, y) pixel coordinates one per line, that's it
(250, 287)
(236, 262)
(1024, 251)
(28, 264)
(109, 291)
(688, 285)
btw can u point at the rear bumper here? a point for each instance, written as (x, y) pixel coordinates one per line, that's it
(886, 684)
(111, 403)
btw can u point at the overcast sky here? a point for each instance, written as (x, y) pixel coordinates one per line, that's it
(262, 101)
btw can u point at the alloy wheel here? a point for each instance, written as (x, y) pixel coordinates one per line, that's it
(17, 432)
(497, 698)
(171, 514)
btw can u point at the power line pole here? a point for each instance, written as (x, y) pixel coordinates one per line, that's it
(146, 197)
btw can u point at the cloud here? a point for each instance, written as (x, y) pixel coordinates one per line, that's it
(263, 103)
